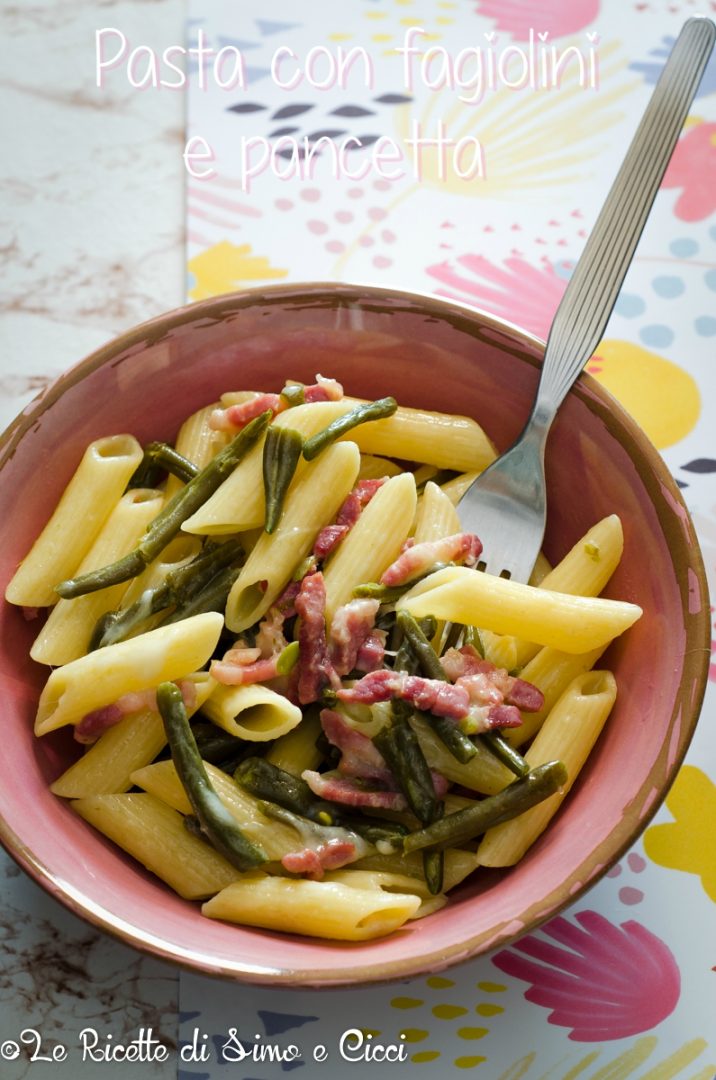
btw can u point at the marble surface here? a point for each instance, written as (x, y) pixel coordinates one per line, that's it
(91, 234)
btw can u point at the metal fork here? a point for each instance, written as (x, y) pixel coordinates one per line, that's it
(506, 505)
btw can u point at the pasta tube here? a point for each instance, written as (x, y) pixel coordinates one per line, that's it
(311, 503)
(373, 543)
(551, 671)
(568, 735)
(326, 909)
(86, 503)
(584, 571)
(297, 751)
(483, 772)
(252, 712)
(571, 623)
(437, 517)
(68, 629)
(155, 836)
(107, 766)
(161, 655)
(198, 443)
(373, 468)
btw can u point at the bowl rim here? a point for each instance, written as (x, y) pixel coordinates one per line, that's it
(594, 395)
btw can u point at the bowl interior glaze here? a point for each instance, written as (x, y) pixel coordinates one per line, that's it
(427, 353)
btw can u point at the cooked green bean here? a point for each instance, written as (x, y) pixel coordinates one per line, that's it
(168, 522)
(218, 825)
(179, 586)
(399, 745)
(464, 825)
(371, 410)
(294, 394)
(424, 652)
(159, 455)
(505, 753)
(214, 744)
(456, 741)
(266, 781)
(212, 597)
(389, 594)
(282, 450)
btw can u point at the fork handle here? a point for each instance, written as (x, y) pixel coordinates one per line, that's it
(587, 303)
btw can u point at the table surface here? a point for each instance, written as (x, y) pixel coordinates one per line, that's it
(100, 228)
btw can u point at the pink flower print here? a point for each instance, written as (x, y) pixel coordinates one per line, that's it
(521, 293)
(518, 17)
(692, 169)
(609, 982)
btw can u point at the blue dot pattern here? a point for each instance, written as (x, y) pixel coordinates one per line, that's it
(656, 335)
(683, 247)
(668, 286)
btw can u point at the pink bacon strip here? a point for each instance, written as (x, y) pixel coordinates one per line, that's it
(351, 792)
(238, 416)
(351, 627)
(462, 548)
(315, 861)
(468, 669)
(95, 723)
(346, 517)
(314, 666)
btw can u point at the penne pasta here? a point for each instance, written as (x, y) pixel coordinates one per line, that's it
(375, 468)
(584, 571)
(571, 623)
(311, 504)
(483, 773)
(297, 751)
(101, 677)
(198, 442)
(568, 734)
(154, 835)
(316, 908)
(436, 517)
(254, 712)
(68, 629)
(106, 767)
(86, 503)
(373, 542)
(551, 671)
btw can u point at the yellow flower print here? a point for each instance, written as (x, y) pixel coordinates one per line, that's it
(225, 266)
(683, 843)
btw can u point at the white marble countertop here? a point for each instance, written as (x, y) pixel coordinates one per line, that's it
(91, 225)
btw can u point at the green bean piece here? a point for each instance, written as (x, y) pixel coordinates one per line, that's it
(188, 580)
(308, 566)
(434, 861)
(373, 590)
(426, 655)
(287, 659)
(464, 825)
(218, 825)
(454, 632)
(164, 457)
(211, 598)
(116, 626)
(399, 745)
(371, 410)
(266, 781)
(282, 450)
(214, 744)
(505, 752)
(456, 741)
(169, 521)
(294, 394)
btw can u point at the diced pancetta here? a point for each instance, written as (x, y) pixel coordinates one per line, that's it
(351, 792)
(350, 628)
(372, 652)
(360, 757)
(315, 861)
(462, 548)
(481, 677)
(330, 536)
(238, 416)
(314, 666)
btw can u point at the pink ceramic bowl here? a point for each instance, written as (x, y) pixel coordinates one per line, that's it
(428, 353)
